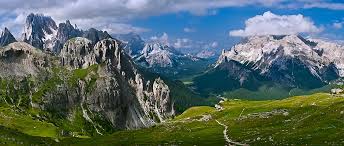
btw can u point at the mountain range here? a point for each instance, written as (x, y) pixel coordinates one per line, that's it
(162, 58)
(42, 32)
(288, 61)
(90, 86)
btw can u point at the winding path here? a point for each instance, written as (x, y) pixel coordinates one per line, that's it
(229, 141)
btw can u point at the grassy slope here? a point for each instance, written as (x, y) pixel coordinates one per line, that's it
(26, 124)
(315, 119)
(13, 137)
(273, 92)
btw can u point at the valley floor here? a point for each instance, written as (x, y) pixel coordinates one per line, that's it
(316, 119)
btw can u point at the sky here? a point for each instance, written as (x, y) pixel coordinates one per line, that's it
(188, 24)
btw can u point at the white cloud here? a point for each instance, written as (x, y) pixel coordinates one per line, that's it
(211, 45)
(162, 39)
(183, 43)
(189, 30)
(338, 25)
(325, 5)
(214, 44)
(272, 24)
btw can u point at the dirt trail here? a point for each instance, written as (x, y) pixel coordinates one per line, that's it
(229, 141)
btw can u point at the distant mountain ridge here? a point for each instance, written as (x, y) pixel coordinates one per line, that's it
(162, 58)
(290, 61)
(42, 32)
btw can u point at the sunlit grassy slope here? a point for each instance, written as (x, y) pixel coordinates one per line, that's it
(316, 119)
(26, 124)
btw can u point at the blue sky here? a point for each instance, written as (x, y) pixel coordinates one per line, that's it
(187, 24)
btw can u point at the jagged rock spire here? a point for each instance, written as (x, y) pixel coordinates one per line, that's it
(6, 38)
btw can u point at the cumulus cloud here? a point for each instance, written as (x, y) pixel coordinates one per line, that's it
(272, 24)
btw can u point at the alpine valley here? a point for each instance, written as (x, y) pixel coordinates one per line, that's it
(61, 85)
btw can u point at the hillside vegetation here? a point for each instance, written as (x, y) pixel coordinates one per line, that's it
(316, 119)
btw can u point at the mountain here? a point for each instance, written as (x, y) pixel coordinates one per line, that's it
(158, 55)
(43, 33)
(167, 61)
(206, 54)
(289, 61)
(39, 31)
(84, 90)
(6, 38)
(133, 43)
(161, 58)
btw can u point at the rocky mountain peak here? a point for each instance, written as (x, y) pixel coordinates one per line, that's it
(157, 55)
(96, 35)
(39, 31)
(6, 37)
(42, 32)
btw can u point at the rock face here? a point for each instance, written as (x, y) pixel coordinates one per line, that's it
(39, 31)
(6, 38)
(331, 51)
(21, 59)
(98, 86)
(137, 100)
(43, 33)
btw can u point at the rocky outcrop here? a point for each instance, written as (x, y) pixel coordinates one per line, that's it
(20, 59)
(137, 102)
(95, 35)
(6, 38)
(74, 53)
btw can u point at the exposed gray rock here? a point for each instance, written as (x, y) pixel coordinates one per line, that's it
(40, 31)
(21, 59)
(6, 38)
(137, 102)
